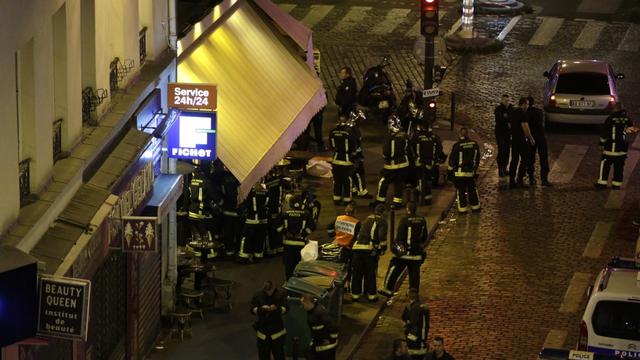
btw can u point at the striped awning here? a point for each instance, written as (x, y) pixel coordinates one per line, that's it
(266, 93)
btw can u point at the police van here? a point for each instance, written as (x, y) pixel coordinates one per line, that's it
(611, 321)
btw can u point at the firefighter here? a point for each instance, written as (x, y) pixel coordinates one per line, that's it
(269, 305)
(255, 228)
(200, 192)
(359, 180)
(614, 146)
(232, 225)
(343, 143)
(345, 230)
(416, 325)
(502, 115)
(428, 150)
(396, 163)
(296, 226)
(463, 170)
(324, 332)
(275, 191)
(369, 245)
(408, 250)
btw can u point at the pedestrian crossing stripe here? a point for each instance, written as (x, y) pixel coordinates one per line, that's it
(316, 14)
(546, 31)
(631, 39)
(354, 16)
(567, 163)
(393, 18)
(589, 35)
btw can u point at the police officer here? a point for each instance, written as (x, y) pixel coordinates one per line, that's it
(408, 250)
(428, 150)
(346, 93)
(296, 227)
(343, 143)
(370, 243)
(535, 118)
(324, 332)
(269, 305)
(416, 325)
(232, 226)
(463, 169)
(396, 163)
(255, 228)
(614, 146)
(521, 141)
(502, 115)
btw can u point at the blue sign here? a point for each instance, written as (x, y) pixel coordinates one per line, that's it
(193, 136)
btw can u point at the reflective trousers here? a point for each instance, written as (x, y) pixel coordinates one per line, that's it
(396, 267)
(232, 232)
(398, 178)
(364, 267)
(253, 240)
(342, 182)
(618, 169)
(466, 194)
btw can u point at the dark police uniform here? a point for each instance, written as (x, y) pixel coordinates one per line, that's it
(535, 118)
(297, 225)
(396, 166)
(519, 147)
(371, 240)
(324, 334)
(255, 224)
(503, 136)
(463, 165)
(613, 142)
(346, 95)
(343, 143)
(412, 234)
(269, 325)
(416, 329)
(428, 150)
(232, 226)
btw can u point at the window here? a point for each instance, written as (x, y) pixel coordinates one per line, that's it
(617, 319)
(583, 84)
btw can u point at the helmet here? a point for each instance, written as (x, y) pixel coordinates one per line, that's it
(413, 110)
(296, 202)
(394, 124)
(355, 117)
(398, 249)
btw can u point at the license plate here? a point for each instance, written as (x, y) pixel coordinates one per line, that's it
(582, 103)
(383, 104)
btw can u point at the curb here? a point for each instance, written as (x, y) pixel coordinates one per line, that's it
(473, 45)
(443, 214)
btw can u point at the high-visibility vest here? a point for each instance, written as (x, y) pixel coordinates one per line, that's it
(345, 227)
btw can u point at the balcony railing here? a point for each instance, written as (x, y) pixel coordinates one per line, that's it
(142, 43)
(117, 71)
(25, 185)
(57, 139)
(90, 100)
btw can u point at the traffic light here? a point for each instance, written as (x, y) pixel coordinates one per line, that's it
(438, 73)
(429, 17)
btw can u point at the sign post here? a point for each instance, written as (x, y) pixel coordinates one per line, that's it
(64, 307)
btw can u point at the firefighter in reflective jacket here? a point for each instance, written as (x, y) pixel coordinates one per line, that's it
(396, 163)
(200, 199)
(408, 250)
(614, 146)
(343, 143)
(232, 219)
(345, 230)
(416, 325)
(324, 332)
(463, 170)
(269, 305)
(428, 150)
(296, 226)
(359, 180)
(255, 224)
(370, 243)
(275, 190)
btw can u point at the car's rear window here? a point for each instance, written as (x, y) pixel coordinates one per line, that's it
(583, 83)
(617, 319)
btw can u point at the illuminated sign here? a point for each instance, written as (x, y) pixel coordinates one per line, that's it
(193, 136)
(202, 97)
(64, 306)
(140, 233)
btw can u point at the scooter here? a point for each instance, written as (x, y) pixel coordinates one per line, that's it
(377, 93)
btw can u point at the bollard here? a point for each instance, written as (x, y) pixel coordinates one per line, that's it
(453, 109)
(294, 347)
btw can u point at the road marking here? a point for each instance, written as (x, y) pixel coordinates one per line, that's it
(589, 35)
(599, 6)
(567, 163)
(354, 16)
(287, 7)
(508, 28)
(393, 18)
(599, 236)
(316, 14)
(415, 29)
(575, 292)
(631, 39)
(455, 26)
(546, 31)
(555, 339)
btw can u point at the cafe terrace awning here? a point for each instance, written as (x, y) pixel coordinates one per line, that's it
(267, 94)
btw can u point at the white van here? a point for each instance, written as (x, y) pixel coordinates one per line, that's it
(611, 321)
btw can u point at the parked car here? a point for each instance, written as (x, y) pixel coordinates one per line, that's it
(611, 321)
(580, 92)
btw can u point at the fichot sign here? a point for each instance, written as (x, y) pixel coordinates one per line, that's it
(193, 136)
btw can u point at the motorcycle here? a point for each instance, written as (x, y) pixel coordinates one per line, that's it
(377, 93)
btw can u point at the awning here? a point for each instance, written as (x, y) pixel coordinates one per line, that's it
(266, 93)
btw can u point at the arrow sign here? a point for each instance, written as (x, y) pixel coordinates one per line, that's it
(430, 92)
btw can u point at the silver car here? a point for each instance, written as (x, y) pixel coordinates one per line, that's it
(580, 92)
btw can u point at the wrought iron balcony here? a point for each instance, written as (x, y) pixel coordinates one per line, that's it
(24, 180)
(90, 100)
(142, 43)
(57, 139)
(118, 70)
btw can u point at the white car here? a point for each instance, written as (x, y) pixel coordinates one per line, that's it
(611, 321)
(580, 92)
